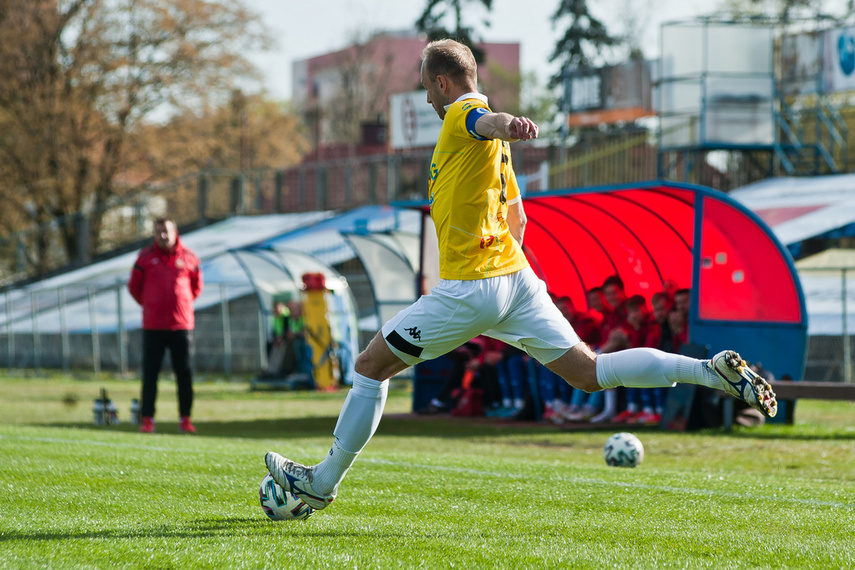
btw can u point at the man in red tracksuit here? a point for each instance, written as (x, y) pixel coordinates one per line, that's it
(165, 280)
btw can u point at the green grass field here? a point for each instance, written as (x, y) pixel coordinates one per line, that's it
(426, 493)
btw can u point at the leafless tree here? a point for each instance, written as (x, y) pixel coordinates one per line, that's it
(82, 77)
(364, 74)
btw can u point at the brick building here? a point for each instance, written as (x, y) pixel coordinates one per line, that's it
(343, 96)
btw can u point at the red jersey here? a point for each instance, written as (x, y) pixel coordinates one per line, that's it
(670, 342)
(588, 327)
(637, 336)
(616, 318)
(165, 283)
(654, 335)
(486, 344)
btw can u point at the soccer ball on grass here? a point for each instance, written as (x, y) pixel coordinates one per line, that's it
(279, 505)
(623, 450)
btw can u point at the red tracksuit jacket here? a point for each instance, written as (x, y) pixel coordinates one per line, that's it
(165, 283)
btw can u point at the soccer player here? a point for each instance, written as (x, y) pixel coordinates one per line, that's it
(486, 286)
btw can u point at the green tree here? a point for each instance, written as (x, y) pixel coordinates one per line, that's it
(435, 12)
(82, 77)
(584, 38)
(364, 72)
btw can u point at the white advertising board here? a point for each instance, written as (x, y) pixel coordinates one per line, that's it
(840, 59)
(414, 123)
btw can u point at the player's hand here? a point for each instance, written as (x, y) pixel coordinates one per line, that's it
(522, 128)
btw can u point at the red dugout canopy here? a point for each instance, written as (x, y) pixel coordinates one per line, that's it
(647, 236)
(745, 295)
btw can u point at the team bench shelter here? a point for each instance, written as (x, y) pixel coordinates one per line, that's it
(745, 292)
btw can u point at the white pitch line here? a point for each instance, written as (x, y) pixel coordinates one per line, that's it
(90, 442)
(603, 482)
(409, 465)
(119, 445)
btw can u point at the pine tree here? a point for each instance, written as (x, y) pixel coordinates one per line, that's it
(430, 23)
(584, 38)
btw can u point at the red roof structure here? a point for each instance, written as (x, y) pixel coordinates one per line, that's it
(745, 292)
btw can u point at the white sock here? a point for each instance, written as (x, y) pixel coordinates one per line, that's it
(651, 368)
(358, 420)
(609, 407)
(610, 402)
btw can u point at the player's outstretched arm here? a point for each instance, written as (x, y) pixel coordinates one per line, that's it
(506, 127)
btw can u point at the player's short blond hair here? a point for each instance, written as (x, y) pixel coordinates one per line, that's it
(452, 59)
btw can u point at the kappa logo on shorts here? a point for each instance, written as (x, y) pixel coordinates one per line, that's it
(402, 344)
(415, 333)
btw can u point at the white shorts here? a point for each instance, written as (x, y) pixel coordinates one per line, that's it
(514, 308)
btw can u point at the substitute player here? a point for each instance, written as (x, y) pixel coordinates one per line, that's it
(486, 286)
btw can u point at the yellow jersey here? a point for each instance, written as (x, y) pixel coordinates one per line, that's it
(471, 184)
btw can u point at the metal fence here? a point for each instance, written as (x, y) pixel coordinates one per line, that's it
(78, 328)
(604, 160)
(830, 296)
(339, 183)
(200, 198)
(83, 328)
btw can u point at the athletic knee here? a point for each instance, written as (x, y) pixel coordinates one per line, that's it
(377, 361)
(363, 364)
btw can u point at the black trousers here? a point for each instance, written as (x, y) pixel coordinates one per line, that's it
(180, 345)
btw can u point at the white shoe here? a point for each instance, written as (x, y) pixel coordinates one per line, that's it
(738, 380)
(602, 417)
(559, 411)
(583, 415)
(297, 479)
